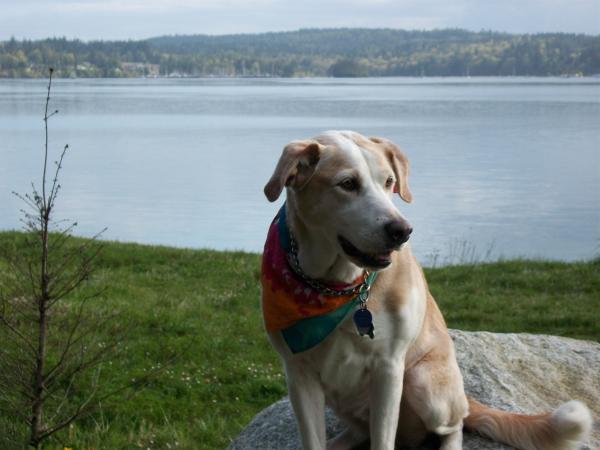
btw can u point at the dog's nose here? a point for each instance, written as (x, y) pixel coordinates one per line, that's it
(398, 231)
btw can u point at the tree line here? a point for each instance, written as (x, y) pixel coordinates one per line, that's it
(310, 52)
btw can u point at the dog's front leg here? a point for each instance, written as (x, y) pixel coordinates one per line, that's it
(308, 402)
(386, 393)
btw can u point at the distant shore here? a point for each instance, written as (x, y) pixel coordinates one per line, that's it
(345, 52)
(316, 77)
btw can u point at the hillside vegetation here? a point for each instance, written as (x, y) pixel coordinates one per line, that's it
(310, 52)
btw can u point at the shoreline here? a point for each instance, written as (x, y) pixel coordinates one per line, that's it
(316, 77)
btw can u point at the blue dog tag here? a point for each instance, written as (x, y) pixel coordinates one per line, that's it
(364, 322)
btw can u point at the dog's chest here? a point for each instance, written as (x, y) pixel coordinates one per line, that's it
(346, 361)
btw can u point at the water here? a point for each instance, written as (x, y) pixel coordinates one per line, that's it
(500, 167)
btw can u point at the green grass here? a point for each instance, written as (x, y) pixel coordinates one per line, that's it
(204, 305)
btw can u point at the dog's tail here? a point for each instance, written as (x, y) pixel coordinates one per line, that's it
(559, 430)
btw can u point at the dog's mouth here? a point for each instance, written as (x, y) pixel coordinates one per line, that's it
(369, 260)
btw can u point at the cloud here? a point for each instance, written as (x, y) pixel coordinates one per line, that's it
(122, 19)
(156, 6)
(124, 6)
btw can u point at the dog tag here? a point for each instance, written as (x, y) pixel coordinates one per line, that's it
(364, 322)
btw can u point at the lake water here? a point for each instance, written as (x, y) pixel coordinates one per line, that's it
(500, 167)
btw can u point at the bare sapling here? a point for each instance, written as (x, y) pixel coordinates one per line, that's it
(52, 348)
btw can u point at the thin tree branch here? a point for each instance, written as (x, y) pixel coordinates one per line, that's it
(70, 341)
(55, 185)
(20, 335)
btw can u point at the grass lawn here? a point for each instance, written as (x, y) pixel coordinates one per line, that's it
(204, 305)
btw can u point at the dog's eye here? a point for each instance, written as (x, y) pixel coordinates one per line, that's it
(389, 182)
(349, 184)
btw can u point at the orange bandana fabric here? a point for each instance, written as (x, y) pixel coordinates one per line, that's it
(287, 299)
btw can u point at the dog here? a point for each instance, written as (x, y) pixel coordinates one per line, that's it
(347, 307)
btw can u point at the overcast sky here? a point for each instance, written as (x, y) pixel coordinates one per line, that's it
(136, 19)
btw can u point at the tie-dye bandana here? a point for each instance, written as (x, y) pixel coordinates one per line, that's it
(303, 315)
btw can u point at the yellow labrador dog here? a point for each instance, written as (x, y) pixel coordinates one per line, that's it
(381, 356)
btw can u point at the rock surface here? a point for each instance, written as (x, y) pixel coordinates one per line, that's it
(515, 372)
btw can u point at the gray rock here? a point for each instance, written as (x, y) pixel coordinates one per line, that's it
(515, 372)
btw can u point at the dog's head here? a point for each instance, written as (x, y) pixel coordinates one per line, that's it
(341, 183)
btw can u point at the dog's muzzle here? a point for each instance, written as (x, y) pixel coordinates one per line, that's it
(396, 233)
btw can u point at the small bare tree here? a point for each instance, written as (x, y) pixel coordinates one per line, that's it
(51, 352)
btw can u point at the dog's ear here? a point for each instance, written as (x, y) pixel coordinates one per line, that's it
(399, 163)
(295, 167)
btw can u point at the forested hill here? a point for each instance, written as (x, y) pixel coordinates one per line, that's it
(310, 52)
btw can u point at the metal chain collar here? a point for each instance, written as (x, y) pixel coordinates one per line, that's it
(361, 289)
(363, 293)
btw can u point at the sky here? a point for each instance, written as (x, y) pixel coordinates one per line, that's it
(138, 19)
